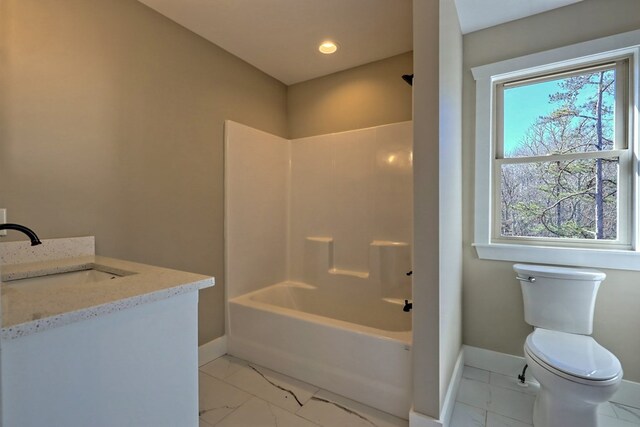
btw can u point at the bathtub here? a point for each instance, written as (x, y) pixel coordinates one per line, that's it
(350, 345)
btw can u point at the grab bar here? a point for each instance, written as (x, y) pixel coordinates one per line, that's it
(527, 279)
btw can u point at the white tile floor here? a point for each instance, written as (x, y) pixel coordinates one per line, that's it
(236, 393)
(488, 399)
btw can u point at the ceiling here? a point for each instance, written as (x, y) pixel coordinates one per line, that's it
(281, 37)
(475, 15)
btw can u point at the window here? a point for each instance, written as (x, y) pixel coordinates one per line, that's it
(562, 161)
(556, 143)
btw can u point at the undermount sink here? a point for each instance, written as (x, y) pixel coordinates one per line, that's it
(91, 275)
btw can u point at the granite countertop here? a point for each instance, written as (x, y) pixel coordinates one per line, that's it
(30, 308)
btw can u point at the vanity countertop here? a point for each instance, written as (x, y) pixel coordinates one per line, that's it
(27, 309)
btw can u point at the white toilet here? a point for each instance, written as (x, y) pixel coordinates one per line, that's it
(576, 374)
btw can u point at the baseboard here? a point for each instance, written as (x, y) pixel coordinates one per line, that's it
(501, 363)
(417, 419)
(508, 364)
(452, 391)
(212, 350)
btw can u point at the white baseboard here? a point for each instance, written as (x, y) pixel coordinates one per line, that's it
(508, 364)
(452, 391)
(501, 363)
(212, 350)
(417, 419)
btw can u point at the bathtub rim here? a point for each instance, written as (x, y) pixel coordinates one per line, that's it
(401, 337)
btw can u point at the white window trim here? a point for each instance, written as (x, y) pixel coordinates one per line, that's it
(486, 77)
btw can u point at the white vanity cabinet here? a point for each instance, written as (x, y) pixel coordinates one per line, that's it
(123, 353)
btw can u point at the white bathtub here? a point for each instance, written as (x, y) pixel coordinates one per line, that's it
(353, 346)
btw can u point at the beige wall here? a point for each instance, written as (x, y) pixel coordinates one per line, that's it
(111, 124)
(492, 302)
(437, 156)
(370, 95)
(450, 197)
(426, 273)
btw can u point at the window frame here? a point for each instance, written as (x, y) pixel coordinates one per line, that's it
(571, 60)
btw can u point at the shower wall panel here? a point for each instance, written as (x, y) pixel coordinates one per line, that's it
(256, 203)
(355, 187)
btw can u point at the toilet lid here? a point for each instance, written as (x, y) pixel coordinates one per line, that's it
(577, 355)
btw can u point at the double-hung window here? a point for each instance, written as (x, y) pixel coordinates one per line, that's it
(556, 156)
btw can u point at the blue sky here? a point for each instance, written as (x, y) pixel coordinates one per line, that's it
(523, 106)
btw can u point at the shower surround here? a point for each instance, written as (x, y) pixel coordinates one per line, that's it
(318, 244)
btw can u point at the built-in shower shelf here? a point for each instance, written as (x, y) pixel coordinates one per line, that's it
(389, 263)
(352, 273)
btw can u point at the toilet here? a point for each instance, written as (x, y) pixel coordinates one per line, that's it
(576, 374)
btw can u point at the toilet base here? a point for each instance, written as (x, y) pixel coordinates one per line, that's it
(563, 402)
(553, 411)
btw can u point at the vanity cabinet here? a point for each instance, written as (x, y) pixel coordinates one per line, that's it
(113, 353)
(135, 367)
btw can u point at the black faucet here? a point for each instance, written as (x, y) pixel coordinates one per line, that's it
(407, 306)
(29, 232)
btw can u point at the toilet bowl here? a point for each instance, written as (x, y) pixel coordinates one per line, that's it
(576, 375)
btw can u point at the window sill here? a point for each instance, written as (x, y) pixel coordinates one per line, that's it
(579, 257)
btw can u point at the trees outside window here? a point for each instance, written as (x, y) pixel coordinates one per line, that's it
(558, 156)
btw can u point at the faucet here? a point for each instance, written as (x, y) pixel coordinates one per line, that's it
(29, 232)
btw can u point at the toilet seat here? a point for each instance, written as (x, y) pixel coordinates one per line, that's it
(578, 358)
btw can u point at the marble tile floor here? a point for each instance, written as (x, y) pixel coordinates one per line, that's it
(235, 393)
(488, 399)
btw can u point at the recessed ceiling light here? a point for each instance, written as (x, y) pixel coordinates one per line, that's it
(328, 47)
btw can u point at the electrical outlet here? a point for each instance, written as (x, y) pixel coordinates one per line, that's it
(3, 220)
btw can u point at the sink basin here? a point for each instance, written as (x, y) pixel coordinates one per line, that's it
(91, 275)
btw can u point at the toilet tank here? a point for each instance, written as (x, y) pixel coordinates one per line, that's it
(559, 298)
